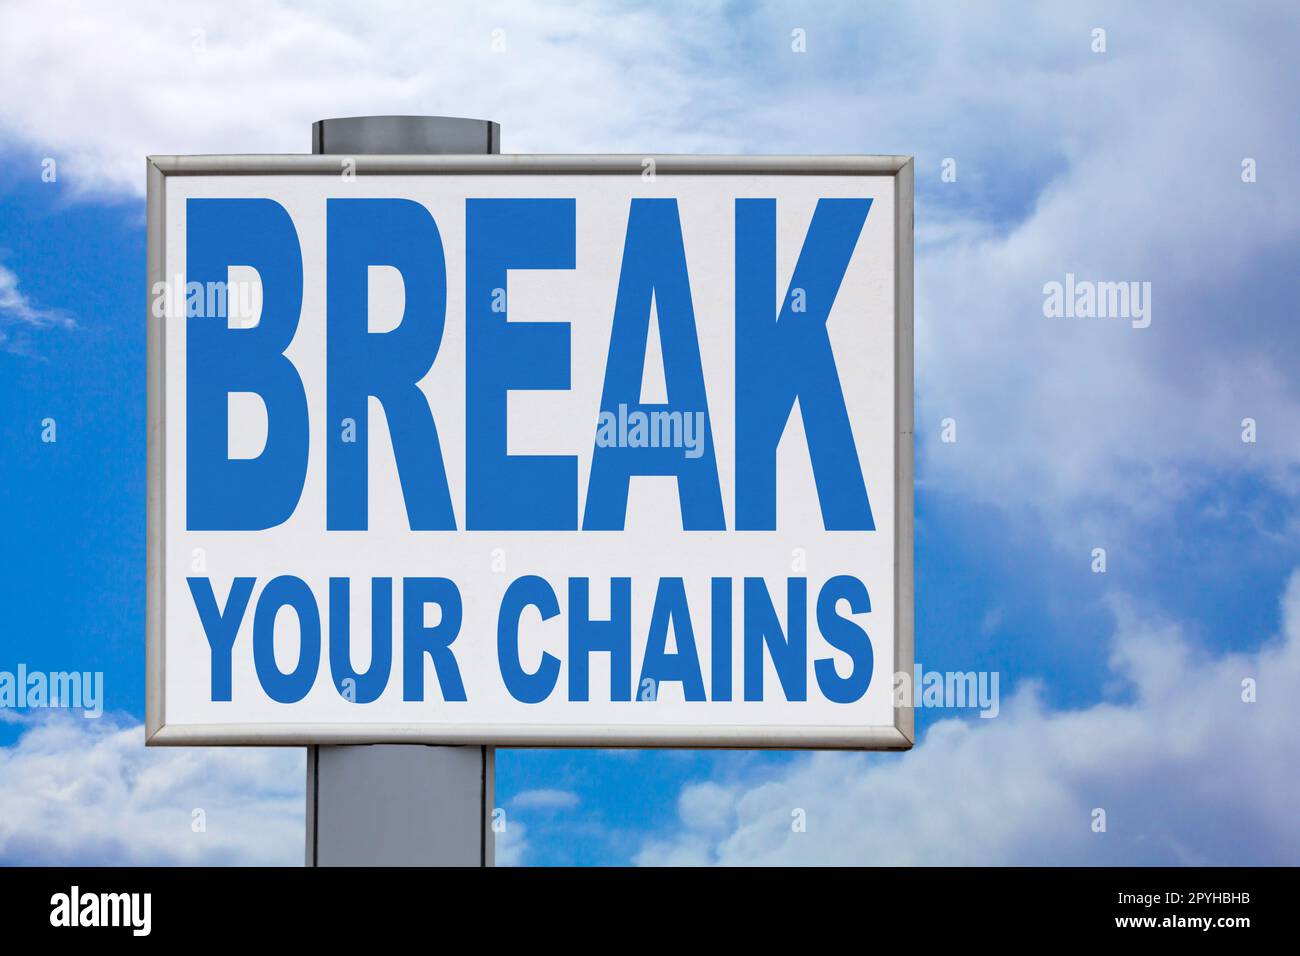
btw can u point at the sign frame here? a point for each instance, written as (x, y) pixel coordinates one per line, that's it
(900, 736)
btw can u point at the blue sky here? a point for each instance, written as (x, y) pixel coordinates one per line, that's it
(1121, 690)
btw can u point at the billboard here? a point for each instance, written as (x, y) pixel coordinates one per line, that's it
(530, 450)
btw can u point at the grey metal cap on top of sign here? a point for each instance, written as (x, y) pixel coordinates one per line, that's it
(405, 135)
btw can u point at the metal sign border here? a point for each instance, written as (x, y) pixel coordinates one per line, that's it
(900, 736)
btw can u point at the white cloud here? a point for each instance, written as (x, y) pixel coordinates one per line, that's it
(16, 307)
(545, 799)
(511, 844)
(1185, 770)
(85, 792)
(19, 315)
(99, 87)
(88, 792)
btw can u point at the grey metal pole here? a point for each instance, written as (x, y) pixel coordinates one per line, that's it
(401, 804)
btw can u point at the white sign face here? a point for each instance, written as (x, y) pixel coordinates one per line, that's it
(568, 451)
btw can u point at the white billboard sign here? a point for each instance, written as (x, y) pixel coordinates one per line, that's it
(530, 450)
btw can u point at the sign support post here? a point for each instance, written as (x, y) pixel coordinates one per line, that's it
(401, 804)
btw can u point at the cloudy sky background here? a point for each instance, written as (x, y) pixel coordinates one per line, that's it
(1121, 690)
